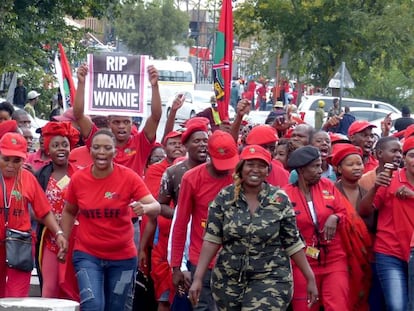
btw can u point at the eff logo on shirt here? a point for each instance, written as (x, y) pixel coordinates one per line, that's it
(111, 195)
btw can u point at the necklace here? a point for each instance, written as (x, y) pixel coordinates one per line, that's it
(7, 203)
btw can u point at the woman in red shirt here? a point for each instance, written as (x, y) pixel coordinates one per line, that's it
(102, 197)
(19, 189)
(59, 138)
(319, 214)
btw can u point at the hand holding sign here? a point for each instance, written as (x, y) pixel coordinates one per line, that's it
(153, 75)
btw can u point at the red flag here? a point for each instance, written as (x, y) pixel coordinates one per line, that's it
(67, 87)
(223, 57)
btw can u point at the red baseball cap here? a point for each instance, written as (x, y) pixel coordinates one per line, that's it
(262, 134)
(256, 152)
(342, 151)
(13, 145)
(409, 131)
(171, 134)
(223, 151)
(359, 126)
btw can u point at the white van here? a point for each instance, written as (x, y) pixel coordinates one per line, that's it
(309, 104)
(174, 77)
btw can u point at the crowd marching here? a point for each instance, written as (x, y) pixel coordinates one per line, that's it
(225, 216)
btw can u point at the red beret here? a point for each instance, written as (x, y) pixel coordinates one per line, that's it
(409, 131)
(8, 126)
(262, 134)
(256, 152)
(359, 126)
(223, 151)
(197, 124)
(197, 120)
(342, 151)
(408, 144)
(171, 134)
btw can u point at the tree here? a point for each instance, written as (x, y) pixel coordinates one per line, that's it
(30, 31)
(152, 28)
(372, 37)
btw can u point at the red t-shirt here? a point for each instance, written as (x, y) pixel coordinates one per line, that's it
(278, 176)
(133, 154)
(105, 229)
(80, 157)
(371, 164)
(28, 192)
(394, 230)
(35, 160)
(198, 189)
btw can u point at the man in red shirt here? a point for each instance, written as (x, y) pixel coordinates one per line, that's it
(199, 187)
(360, 135)
(132, 150)
(195, 140)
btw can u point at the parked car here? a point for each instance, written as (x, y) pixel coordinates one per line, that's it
(309, 104)
(195, 102)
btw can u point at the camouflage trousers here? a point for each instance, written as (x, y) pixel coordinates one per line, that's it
(261, 291)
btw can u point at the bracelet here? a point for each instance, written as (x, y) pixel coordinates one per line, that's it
(59, 232)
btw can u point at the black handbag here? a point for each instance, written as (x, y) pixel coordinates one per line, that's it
(19, 250)
(18, 243)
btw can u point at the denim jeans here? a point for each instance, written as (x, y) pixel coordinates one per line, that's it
(103, 284)
(411, 281)
(206, 301)
(393, 275)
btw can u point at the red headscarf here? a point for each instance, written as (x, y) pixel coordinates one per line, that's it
(65, 129)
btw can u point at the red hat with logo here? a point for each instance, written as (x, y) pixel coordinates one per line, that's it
(256, 152)
(13, 145)
(359, 126)
(171, 134)
(223, 151)
(262, 134)
(342, 151)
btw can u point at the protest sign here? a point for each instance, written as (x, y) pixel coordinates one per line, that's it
(116, 85)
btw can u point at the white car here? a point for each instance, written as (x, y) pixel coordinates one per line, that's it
(195, 102)
(309, 104)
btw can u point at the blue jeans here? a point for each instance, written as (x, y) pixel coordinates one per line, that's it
(411, 281)
(393, 275)
(103, 284)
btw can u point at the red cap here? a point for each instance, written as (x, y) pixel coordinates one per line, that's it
(194, 126)
(172, 135)
(262, 134)
(66, 116)
(342, 151)
(359, 126)
(408, 144)
(8, 126)
(337, 138)
(256, 152)
(223, 151)
(13, 145)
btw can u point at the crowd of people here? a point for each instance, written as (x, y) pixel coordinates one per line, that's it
(224, 216)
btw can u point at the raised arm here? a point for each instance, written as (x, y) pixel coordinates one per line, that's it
(243, 108)
(85, 124)
(177, 104)
(151, 125)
